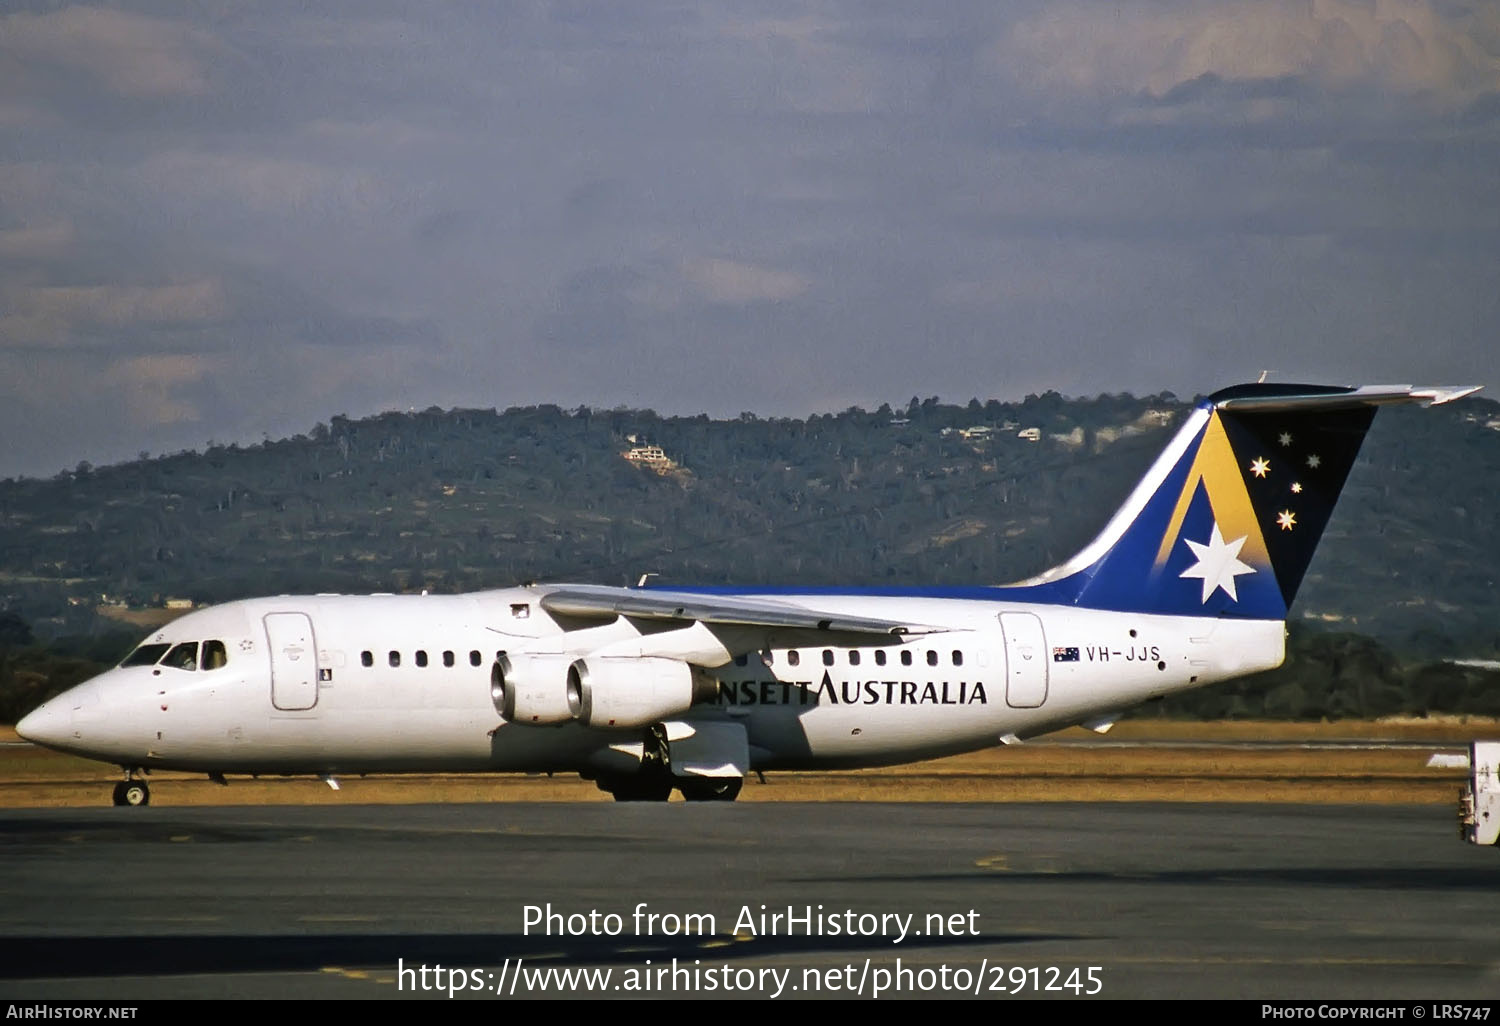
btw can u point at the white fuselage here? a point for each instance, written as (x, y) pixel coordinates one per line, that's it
(346, 684)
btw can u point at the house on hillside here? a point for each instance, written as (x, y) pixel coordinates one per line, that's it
(652, 456)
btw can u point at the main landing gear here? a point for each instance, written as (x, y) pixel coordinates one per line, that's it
(659, 789)
(655, 782)
(131, 791)
(710, 789)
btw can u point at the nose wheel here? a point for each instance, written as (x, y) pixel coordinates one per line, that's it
(132, 792)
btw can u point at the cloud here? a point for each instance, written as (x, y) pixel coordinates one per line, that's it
(811, 66)
(264, 184)
(118, 305)
(346, 206)
(36, 243)
(132, 55)
(153, 386)
(62, 315)
(376, 133)
(731, 282)
(1405, 46)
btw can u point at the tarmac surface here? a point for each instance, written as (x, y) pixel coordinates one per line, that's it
(1162, 900)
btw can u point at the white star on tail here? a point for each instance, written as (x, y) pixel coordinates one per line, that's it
(1218, 564)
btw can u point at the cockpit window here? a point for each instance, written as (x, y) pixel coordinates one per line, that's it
(214, 655)
(146, 655)
(183, 656)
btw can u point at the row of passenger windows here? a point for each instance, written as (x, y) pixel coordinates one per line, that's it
(393, 657)
(187, 655)
(211, 655)
(794, 657)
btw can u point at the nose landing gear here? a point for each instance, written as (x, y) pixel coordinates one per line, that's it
(131, 791)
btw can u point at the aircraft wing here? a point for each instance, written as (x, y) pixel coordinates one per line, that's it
(661, 604)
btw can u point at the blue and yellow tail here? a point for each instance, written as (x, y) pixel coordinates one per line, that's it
(1226, 521)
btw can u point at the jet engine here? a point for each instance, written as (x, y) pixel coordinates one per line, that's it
(620, 691)
(531, 689)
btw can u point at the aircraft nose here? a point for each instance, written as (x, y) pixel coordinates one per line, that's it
(50, 723)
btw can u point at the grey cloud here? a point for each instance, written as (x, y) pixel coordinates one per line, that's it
(129, 54)
(1212, 86)
(30, 243)
(1407, 46)
(729, 206)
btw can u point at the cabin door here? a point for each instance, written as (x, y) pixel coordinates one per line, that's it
(1025, 660)
(294, 661)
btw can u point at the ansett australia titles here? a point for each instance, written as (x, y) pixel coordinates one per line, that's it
(751, 921)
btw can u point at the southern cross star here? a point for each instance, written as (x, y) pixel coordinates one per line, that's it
(1260, 467)
(1218, 564)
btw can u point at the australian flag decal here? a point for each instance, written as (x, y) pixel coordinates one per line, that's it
(1065, 655)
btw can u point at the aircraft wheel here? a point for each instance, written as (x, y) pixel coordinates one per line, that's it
(132, 792)
(711, 789)
(636, 790)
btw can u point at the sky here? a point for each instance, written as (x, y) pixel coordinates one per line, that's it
(227, 221)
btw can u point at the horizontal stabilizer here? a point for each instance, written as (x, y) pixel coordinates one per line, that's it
(1304, 397)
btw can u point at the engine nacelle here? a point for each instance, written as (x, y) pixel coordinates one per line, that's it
(632, 691)
(531, 689)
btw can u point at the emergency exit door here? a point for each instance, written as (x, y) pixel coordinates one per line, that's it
(1025, 660)
(294, 661)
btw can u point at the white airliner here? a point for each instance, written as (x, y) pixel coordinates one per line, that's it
(646, 689)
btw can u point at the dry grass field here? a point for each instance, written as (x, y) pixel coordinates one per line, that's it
(1209, 762)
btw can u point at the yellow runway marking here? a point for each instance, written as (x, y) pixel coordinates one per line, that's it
(348, 974)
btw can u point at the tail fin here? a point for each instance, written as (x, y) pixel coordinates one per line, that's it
(1226, 521)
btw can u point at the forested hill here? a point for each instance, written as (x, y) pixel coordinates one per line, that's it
(464, 499)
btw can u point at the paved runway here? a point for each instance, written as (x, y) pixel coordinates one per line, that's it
(1166, 900)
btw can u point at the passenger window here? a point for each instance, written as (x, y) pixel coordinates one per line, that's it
(768, 657)
(448, 658)
(906, 657)
(853, 658)
(421, 657)
(742, 659)
(474, 658)
(214, 655)
(880, 657)
(183, 657)
(828, 657)
(958, 658)
(395, 658)
(794, 658)
(931, 658)
(367, 658)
